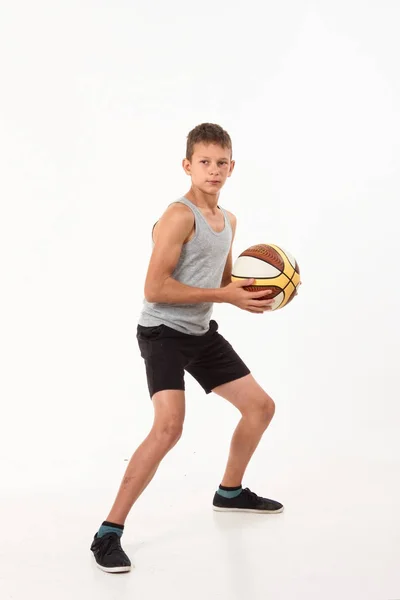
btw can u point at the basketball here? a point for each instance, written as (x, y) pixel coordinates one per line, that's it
(273, 269)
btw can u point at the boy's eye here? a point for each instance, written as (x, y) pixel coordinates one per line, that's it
(204, 161)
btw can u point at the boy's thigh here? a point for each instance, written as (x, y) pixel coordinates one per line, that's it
(216, 364)
(169, 411)
(163, 360)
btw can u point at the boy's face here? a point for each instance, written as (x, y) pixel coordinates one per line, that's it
(209, 168)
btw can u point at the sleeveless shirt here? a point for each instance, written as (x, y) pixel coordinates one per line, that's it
(201, 264)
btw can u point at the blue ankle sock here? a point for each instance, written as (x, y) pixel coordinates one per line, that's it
(107, 527)
(229, 492)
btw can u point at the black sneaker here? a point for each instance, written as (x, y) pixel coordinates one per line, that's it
(109, 555)
(247, 501)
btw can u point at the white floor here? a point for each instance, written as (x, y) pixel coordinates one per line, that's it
(339, 537)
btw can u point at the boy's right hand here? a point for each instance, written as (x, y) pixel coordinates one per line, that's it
(236, 295)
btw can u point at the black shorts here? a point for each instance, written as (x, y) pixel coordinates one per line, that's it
(168, 353)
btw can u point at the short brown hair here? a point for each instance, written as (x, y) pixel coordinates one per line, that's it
(209, 133)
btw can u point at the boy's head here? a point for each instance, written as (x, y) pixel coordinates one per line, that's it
(208, 157)
(207, 133)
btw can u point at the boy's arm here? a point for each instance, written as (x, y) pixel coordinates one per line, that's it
(226, 277)
(172, 230)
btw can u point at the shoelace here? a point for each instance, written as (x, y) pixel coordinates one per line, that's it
(112, 542)
(250, 493)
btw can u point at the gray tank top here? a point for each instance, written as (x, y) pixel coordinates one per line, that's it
(201, 264)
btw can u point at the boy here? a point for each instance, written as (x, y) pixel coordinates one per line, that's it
(189, 270)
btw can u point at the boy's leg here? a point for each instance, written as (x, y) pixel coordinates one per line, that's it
(218, 368)
(169, 415)
(257, 410)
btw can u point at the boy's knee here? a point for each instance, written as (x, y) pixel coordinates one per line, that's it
(169, 432)
(270, 407)
(262, 409)
(266, 410)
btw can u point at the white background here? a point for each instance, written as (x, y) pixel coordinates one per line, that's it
(96, 100)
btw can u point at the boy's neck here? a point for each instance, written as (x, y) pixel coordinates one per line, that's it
(202, 200)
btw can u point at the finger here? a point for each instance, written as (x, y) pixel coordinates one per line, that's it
(244, 282)
(260, 310)
(261, 303)
(256, 308)
(261, 293)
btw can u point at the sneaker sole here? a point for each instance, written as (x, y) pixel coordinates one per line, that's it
(248, 510)
(114, 569)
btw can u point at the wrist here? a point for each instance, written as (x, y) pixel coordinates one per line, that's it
(220, 295)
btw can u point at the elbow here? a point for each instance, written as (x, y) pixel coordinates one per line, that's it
(151, 294)
(154, 289)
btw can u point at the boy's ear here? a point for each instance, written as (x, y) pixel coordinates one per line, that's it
(232, 166)
(186, 166)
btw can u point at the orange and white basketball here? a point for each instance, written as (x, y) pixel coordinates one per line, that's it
(272, 268)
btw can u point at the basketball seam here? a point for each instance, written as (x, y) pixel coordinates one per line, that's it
(287, 258)
(264, 259)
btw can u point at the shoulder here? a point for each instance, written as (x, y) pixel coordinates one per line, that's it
(179, 215)
(178, 210)
(177, 219)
